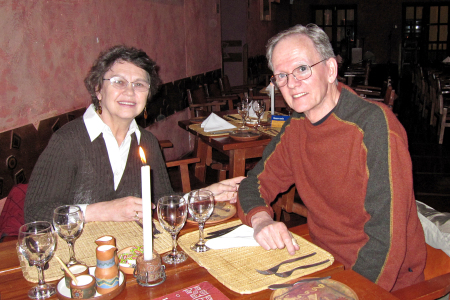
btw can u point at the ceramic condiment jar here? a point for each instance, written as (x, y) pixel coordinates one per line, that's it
(106, 272)
(108, 240)
(85, 288)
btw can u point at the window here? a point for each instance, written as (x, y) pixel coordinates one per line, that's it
(426, 26)
(339, 22)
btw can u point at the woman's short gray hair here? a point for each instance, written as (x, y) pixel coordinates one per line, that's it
(315, 33)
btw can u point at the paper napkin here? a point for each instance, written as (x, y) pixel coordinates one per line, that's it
(446, 60)
(240, 237)
(216, 123)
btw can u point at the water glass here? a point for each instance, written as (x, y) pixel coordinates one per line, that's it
(172, 214)
(201, 206)
(69, 222)
(37, 243)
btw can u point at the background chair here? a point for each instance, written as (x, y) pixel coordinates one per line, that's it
(201, 105)
(286, 203)
(182, 164)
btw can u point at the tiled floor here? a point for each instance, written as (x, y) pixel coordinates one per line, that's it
(431, 161)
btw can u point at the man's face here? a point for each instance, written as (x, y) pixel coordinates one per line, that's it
(311, 96)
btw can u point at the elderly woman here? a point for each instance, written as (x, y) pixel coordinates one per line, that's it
(94, 161)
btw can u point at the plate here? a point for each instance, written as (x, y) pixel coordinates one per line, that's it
(263, 123)
(324, 289)
(197, 120)
(245, 135)
(222, 211)
(63, 292)
(127, 258)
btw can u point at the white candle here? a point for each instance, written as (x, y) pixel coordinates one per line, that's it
(146, 209)
(272, 98)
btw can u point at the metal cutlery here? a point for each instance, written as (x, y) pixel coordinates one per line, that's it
(222, 132)
(234, 118)
(286, 285)
(221, 232)
(274, 269)
(289, 273)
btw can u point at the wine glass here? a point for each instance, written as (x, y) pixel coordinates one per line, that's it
(259, 107)
(243, 108)
(69, 222)
(37, 242)
(201, 206)
(172, 214)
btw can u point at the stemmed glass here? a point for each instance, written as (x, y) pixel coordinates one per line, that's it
(243, 108)
(201, 206)
(172, 214)
(37, 242)
(69, 222)
(259, 107)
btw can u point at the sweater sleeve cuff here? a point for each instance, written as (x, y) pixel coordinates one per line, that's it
(247, 218)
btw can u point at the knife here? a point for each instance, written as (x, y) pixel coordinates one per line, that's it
(221, 132)
(221, 232)
(233, 117)
(286, 285)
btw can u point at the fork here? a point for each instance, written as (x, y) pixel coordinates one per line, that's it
(274, 269)
(289, 273)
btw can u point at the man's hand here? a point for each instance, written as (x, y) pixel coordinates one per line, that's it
(226, 189)
(272, 235)
(118, 210)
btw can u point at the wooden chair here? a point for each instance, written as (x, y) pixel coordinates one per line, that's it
(286, 203)
(198, 103)
(443, 107)
(182, 164)
(214, 93)
(227, 89)
(437, 278)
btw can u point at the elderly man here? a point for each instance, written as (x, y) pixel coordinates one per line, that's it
(349, 160)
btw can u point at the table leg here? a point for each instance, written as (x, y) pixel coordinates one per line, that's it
(200, 167)
(237, 163)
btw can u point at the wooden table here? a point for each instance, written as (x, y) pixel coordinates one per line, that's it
(14, 286)
(237, 151)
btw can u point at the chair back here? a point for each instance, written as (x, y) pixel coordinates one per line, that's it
(389, 97)
(225, 82)
(197, 96)
(213, 90)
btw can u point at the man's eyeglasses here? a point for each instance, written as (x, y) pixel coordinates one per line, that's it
(300, 73)
(121, 84)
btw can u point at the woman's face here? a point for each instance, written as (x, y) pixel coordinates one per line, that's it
(122, 105)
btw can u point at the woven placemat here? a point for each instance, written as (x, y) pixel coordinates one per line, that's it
(126, 234)
(235, 267)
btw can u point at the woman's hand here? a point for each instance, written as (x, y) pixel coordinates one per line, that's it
(226, 189)
(118, 210)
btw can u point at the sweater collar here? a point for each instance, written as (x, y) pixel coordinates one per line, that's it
(95, 126)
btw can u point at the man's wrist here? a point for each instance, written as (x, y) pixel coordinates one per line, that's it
(260, 217)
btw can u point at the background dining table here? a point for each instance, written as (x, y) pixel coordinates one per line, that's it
(14, 286)
(237, 151)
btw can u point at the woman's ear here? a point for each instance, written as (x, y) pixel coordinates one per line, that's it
(98, 94)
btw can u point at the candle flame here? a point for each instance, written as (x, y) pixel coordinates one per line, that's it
(142, 154)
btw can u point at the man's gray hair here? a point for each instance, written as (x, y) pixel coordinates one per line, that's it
(315, 33)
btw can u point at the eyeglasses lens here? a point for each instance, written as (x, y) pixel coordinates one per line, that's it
(121, 83)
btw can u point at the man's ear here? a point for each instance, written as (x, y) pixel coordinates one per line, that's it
(332, 69)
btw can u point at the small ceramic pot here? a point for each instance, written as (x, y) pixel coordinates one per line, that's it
(76, 270)
(85, 288)
(148, 270)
